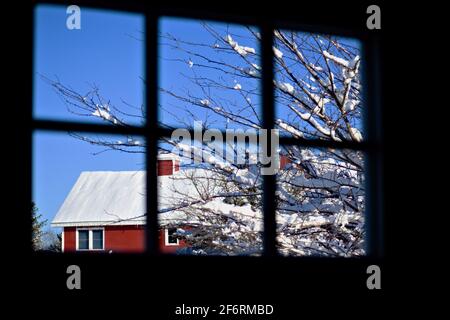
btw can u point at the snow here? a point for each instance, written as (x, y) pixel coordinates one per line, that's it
(287, 87)
(357, 134)
(316, 68)
(242, 50)
(309, 86)
(319, 100)
(337, 60)
(104, 197)
(102, 112)
(288, 128)
(204, 102)
(277, 53)
(246, 177)
(250, 71)
(350, 104)
(353, 64)
(207, 157)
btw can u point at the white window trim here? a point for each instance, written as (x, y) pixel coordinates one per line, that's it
(90, 238)
(166, 239)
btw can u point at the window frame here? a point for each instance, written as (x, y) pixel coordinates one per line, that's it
(167, 238)
(372, 146)
(90, 238)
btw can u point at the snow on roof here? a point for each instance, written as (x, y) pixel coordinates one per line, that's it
(168, 156)
(118, 198)
(104, 197)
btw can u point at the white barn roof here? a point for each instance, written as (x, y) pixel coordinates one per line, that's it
(104, 197)
(118, 198)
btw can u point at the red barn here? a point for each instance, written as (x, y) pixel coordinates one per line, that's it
(105, 210)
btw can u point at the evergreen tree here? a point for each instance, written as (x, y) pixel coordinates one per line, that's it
(37, 228)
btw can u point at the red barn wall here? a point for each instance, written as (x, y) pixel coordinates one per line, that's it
(169, 249)
(69, 239)
(125, 238)
(121, 239)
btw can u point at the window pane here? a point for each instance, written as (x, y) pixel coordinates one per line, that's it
(320, 202)
(209, 79)
(209, 72)
(92, 74)
(171, 236)
(213, 202)
(83, 239)
(88, 181)
(318, 86)
(97, 239)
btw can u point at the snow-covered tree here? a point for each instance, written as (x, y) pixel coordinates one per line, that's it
(52, 241)
(320, 193)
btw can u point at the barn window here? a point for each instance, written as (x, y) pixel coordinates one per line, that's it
(170, 237)
(97, 239)
(83, 239)
(90, 239)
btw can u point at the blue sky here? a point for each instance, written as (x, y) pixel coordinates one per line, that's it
(175, 75)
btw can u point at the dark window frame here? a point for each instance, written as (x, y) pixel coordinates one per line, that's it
(372, 145)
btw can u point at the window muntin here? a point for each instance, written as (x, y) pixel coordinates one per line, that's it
(90, 239)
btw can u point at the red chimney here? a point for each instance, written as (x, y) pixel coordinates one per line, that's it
(168, 164)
